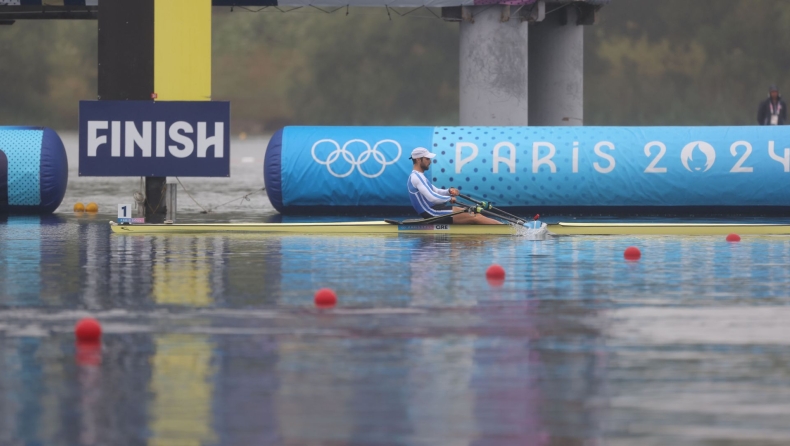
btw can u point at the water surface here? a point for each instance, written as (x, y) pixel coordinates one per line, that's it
(215, 339)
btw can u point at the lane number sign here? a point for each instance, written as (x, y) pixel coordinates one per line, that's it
(124, 211)
(125, 214)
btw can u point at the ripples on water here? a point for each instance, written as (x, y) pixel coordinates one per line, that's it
(214, 339)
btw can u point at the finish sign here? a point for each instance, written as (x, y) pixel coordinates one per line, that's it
(147, 138)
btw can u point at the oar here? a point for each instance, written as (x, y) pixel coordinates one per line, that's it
(489, 207)
(479, 209)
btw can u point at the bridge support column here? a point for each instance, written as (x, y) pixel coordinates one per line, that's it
(556, 69)
(494, 67)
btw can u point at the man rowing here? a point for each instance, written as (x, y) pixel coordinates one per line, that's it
(430, 201)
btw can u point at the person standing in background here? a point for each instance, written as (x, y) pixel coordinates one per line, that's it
(772, 111)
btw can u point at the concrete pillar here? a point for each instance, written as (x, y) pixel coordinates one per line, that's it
(494, 67)
(556, 70)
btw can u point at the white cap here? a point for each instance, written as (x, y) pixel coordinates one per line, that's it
(421, 152)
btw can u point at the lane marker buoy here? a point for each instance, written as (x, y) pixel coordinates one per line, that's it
(495, 272)
(325, 297)
(88, 330)
(632, 253)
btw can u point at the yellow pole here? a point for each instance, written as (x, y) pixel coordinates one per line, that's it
(181, 368)
(182, 50)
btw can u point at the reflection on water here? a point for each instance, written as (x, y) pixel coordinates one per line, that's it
(187, 274)
(182, 390)
(214, 340)
(22, 253)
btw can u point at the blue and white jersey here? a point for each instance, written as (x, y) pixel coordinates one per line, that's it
(424, 196)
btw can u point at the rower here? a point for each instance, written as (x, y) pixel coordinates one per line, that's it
(430, 201)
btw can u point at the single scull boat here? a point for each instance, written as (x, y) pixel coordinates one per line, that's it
(411, 227)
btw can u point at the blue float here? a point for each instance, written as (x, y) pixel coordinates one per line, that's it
(573, 169)
(34, 170)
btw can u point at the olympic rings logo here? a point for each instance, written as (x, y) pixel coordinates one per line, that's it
(356, 163)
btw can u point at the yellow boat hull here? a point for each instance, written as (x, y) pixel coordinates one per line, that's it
(381, 227)
(368, 227)
(668, 229)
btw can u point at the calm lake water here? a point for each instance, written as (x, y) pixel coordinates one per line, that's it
(215, 339)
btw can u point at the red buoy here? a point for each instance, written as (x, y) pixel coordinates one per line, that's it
(88, 330)
(495, 272)
(325, 298)
(632, 253)
(733, 238)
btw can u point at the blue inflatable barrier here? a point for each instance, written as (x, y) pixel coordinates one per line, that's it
(574, 169)
(34, 170)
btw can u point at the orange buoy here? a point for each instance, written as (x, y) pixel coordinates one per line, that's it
(92, 207)
(79, 207)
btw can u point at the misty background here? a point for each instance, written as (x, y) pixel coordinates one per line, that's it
(647, 62)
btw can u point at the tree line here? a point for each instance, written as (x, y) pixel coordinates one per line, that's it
(647, 62)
